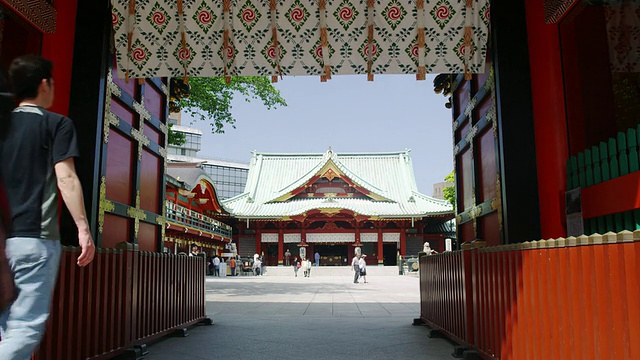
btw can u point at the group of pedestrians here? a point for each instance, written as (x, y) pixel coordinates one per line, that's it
(359, 266)
(304, 264)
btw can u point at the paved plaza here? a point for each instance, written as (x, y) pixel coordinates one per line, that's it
(320, 317)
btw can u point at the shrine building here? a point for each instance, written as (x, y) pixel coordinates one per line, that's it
(192, 206)
(332, 203)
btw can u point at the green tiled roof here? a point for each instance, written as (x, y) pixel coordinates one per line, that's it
(388, 175)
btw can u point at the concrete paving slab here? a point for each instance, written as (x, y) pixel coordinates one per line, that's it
(320, 317)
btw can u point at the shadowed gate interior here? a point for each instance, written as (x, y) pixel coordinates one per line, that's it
(390, 253)
(331, 255)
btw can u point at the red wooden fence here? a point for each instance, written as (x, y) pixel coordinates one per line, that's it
(124, 298)
(574, 298)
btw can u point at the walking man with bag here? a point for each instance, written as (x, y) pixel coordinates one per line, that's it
(37, 151)
(355, 265)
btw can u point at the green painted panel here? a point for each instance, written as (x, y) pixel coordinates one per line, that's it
(582, 181)
(604, 161)
(614, 168)
(597, 171)
(622, 154)
(632, 144)
(628, 220)
(588, 167)
(602, 225)
(636, 218)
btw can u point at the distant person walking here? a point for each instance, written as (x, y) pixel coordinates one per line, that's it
(257, 267)
(362, 264)
(355, 265)
(306, 264)
(296, 266)
(317, 258)
(232, 265)
(287, 257)
(216, 266)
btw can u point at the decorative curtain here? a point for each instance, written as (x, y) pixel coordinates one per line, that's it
(331, 238)
(292, 238)
(269, 238)
(368, 237)
(299, 37)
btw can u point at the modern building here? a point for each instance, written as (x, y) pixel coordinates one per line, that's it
(438, 187)
(229, 177)
(332, 203)
(191, 146)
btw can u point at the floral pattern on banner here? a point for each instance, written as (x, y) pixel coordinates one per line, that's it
(623, 34)
(157, 48)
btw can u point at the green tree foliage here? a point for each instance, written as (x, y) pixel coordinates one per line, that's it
(449, 192)
(210, 99)
(176, 138)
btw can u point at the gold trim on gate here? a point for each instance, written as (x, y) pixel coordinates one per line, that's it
(105, 205)
(141, 110)
(137, 214)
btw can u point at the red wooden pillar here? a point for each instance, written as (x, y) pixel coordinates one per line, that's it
(549, 118)
(403, 240)
(380, 246)
(280, 246)
(258, 239)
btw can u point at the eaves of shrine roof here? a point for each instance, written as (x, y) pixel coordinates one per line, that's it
(388, 178)
(190, 176)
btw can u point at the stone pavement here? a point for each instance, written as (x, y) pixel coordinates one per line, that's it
(320, 317)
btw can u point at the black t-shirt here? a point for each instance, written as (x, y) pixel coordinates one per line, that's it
(36, 139)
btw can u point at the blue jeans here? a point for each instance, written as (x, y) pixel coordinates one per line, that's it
(34, 263)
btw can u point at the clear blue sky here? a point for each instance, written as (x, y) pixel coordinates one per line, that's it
(349, 114)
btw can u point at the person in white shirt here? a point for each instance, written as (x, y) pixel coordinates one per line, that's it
(216, 266)
(355, 264)
(257, 266)
(363, 267)
(307, 268)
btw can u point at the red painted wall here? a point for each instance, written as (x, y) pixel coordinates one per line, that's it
(549, 117)
(58, 47)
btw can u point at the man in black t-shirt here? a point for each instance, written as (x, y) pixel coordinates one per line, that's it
(37, 153)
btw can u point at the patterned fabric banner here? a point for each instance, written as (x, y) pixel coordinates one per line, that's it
(237, 37)
(292, 238)
(331, 238)
(269, 238)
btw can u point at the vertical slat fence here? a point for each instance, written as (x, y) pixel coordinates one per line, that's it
(549, 299)
(124, 298)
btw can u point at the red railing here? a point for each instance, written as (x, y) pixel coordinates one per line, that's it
(549, 299)
(123, 298)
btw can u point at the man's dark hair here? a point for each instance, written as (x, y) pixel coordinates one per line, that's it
(27, 72)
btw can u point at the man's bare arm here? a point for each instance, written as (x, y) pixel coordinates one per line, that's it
(71, 191)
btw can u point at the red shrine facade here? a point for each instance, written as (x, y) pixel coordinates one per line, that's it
(191, 207)
(332, 203)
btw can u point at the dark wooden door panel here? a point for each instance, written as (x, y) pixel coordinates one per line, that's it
(133, 159)
(477, 164)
